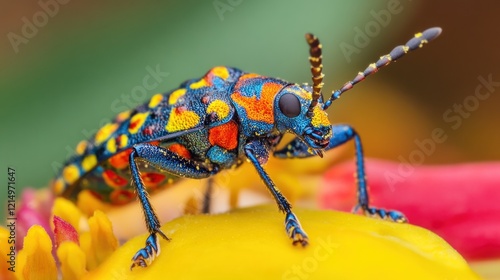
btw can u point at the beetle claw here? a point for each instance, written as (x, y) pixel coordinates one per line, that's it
(295, 231)
(146, 255)
(390, 215)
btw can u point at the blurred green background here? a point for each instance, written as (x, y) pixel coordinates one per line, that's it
(86, 61)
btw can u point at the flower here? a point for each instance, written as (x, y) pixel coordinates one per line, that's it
(245, 243)
(251, 243)
(74, 246)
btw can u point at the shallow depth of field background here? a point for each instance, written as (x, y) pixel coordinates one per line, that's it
(88, 62)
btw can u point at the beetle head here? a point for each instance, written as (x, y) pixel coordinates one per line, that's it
(292, 113)
(300, 106)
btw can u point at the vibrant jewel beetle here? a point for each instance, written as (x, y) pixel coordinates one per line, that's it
(215, 123)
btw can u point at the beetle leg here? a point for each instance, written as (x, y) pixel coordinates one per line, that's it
(292, 224)
(340, 135)
(207, 196)
(169, 162)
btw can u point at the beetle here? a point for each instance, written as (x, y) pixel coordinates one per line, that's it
(215, 123)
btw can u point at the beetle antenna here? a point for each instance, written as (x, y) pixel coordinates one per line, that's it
(418, 41)
(315, 59)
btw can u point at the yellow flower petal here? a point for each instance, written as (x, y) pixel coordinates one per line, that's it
(88, 204)
(100, 242)
(251, 243)
(35, 260)
(67, 211)
(6, 268)
(72, 259)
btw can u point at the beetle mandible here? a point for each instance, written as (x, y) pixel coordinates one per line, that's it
(215, 123)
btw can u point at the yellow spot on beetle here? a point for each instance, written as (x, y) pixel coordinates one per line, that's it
(80, 147)
(221, 72)
(123, 141)
(122, 116)
(58, 186)
(301, 93)
(319, 117)
(219, 107)
(199, 84)
(155, 100)
(174, 96)
(181, 120)
(111, 145)
(71, 173)
(105, 132)
(136, 122)
(89, 162)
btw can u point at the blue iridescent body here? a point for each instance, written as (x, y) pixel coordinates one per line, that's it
(215, 123)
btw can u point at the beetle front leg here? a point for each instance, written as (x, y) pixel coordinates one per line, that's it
(292, 225)
(172, 163)
(340, 135)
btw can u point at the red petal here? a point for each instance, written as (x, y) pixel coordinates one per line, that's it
(461, 203)
(64, 231)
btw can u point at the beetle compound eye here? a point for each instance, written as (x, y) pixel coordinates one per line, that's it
(289, 105)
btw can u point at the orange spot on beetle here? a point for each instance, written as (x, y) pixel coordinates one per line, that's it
(225, 136)
(248, 76)
(148, 130)
(180, 150)
(259, 109)
(120, 160)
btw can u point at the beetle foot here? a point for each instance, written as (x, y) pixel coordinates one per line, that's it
(295, 231)
(146, 255)
(390, 215)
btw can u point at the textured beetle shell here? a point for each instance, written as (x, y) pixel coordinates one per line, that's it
(205, 120)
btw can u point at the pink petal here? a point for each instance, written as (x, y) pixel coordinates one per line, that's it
(31, 212)
(461, 203)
